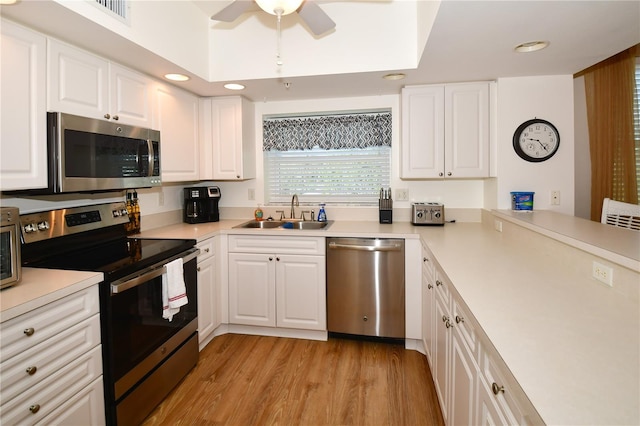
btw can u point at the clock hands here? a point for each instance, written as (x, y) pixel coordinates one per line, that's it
(541, 144)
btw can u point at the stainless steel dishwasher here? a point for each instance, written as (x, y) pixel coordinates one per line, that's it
(365, 287)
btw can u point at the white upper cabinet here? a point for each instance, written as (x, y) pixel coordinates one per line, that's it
(176, 116)
(445, 131)
(130, 96)
(83, 84)
(227, 139)
(23, 119)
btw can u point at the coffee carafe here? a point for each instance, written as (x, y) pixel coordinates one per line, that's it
(201, 204)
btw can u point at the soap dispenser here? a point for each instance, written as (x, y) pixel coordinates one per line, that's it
(322, 215)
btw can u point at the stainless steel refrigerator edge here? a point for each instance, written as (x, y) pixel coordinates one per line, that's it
(366, 287)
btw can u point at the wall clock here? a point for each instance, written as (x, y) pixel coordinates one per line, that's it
(536, 140)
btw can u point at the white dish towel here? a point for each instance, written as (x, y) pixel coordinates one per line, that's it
(174, 292)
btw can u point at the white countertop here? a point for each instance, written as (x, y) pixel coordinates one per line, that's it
(41, 286)
(572, 343)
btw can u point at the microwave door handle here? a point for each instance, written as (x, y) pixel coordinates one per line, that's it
(151, 156)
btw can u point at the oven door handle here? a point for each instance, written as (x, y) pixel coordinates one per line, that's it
(149, 274)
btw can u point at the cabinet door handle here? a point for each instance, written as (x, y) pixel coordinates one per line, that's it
(115, 117)
(34, 408)
(206, 250)
(270, 259)
(429, 286)
(459, 319)
(438, 283)
(29, 331)
(278, 259)
(440, 174)
(424, 259)
(198, 268)
(32, 370)
(449, 174)
(448, 324)
(107, 116)
(497, 389)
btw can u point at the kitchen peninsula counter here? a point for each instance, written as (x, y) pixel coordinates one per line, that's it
(41, 286)
(571, 342)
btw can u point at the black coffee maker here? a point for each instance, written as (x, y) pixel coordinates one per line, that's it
(201, 204)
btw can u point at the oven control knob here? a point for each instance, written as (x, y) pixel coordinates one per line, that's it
(123, 212)
(43, 226)
(419, 213)
(437, 214)
(117, 213)
(30, 227)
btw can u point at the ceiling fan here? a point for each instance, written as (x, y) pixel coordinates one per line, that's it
(312, 15)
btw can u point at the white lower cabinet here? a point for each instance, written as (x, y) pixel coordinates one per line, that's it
(473, 384)
(51, 364)
(270, 287)
(208, 296)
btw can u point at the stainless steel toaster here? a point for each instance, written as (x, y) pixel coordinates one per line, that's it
(427, 213)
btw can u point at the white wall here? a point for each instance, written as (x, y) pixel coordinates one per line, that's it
(521, 99)
(453, 193)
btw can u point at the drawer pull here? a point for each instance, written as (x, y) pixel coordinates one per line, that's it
(497, 389)
(29, 331)
(34, 408)
(32, 370)
(459, 319)
(206, 250)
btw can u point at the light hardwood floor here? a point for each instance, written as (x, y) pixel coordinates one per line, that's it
(255, 380)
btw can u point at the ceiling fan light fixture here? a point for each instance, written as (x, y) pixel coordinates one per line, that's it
(531, 46)
(285, 6)
(234, 86)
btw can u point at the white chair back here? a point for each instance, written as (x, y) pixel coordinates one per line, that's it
(617, 213)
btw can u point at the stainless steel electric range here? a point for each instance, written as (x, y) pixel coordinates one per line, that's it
(144, 355)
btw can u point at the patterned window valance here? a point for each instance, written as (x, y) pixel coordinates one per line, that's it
(326, 132)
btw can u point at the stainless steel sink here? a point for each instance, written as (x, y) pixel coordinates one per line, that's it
(307, 225)
(263, 224)
(284, 224)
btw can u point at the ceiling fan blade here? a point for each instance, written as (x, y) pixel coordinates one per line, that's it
(315, 18)
(233, 11)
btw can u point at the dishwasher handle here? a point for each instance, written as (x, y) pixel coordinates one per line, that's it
(360, 247)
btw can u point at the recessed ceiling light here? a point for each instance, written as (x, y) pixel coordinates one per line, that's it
(394, 76)
(176, 77)
(531, 46)
(233, 86)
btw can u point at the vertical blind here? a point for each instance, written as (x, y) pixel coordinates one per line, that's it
(636, 122)
(336, 159)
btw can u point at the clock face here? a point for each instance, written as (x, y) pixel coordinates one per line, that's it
(536, 140)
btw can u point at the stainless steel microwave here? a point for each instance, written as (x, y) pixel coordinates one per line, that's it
(10, 263)
(91, 155)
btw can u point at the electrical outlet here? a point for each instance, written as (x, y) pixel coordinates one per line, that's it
(402, 194)
(497, 224)
(555, 198)
(251, 195)
(160, 198)
(602, 273)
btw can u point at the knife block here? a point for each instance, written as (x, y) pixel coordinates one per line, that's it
(385, 210)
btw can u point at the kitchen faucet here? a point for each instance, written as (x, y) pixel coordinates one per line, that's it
(294, 199)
